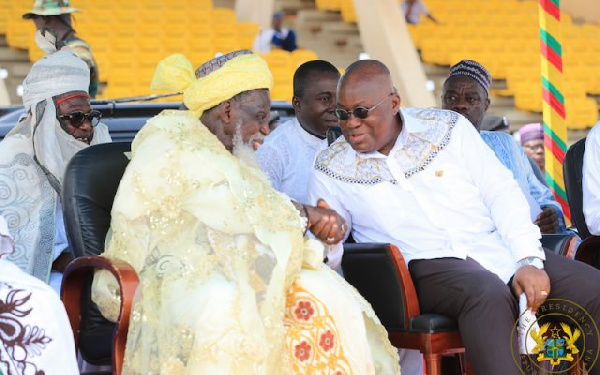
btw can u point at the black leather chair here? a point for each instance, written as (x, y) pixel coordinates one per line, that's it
(90, 184)
(589, 250)
(561, 244)
(572, 172)
(378, 271)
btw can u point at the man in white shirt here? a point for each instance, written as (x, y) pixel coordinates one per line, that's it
(287, 154)
(276, 37)
(424, 180)
(591, 181)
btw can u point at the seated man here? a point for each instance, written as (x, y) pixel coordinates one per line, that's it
(35, 334)
(276, 37)
(531, 137)
(466, 91)
(228, 282)
(591, 181)
(424, 180)
(58, 122)
(287, 154)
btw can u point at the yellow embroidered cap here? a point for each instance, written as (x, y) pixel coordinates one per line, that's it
(214, 82)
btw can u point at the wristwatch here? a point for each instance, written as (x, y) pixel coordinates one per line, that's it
(531, 261)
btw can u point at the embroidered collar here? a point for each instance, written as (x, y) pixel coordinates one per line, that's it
(424, 134)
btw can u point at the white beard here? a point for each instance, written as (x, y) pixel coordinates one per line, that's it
(244, 151)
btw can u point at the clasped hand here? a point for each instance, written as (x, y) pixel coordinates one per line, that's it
(326, 224)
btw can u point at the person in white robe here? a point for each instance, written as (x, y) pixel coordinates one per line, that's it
(35, 334)
(229, 284)
(57, 123)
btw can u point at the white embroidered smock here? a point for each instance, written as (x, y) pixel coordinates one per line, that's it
(441, 192)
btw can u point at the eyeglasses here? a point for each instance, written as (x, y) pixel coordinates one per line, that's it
(78, 118)
(358, 112)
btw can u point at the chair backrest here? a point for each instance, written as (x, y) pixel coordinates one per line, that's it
(369, 267)
(561, 244)
(572, 171)
(90, 184)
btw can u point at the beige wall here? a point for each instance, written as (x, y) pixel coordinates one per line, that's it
(385, 37)
(258, 11)
(589, 10)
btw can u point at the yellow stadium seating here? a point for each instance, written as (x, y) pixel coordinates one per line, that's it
(581, 113)
(301, 56)
(247, 32)
(4, 15)
(328, 5)
(348, 11)
(129, 39)
(223, 16)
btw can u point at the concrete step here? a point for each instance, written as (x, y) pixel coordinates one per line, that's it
(9, 54)
(312, 20)
(224, 4)
(17, 69)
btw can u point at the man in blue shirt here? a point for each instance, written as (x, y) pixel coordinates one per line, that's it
(466, 91)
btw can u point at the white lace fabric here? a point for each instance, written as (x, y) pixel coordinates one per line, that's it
(217, 251)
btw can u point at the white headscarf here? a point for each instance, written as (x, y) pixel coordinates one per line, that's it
(34, 155)
(57, 73)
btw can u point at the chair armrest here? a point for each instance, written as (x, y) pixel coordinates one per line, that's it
(411, 301)
(72, 290)
(589, 251)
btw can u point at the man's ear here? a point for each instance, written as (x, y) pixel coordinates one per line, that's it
(396, 101)
(296, 103)
(226, 111)
(487, 104)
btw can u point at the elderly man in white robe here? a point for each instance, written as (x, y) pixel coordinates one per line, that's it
(58, 122)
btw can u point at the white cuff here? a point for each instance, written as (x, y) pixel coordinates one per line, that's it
(531, 261)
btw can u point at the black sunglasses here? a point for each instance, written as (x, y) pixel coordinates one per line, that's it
(358, 112)
(78, 118)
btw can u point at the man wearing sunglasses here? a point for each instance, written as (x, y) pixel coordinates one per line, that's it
(424, 180)
(58, 122)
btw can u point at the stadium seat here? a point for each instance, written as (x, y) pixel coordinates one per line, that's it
(89, 187)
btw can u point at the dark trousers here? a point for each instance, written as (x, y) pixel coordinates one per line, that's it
(486, 309)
